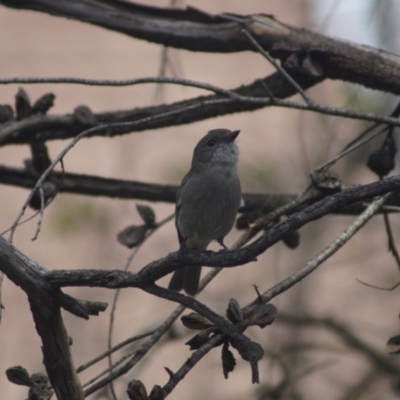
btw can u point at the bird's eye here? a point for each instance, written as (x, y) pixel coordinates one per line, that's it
(211, 142)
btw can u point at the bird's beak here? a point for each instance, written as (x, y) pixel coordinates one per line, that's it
(233, 135)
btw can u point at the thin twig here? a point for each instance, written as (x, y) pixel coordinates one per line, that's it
(256, 227)
(1, 291)
(41, 214)
(391, 242)
(389, 289)
(114, 349)
(277, 66)
(141, 351)
(121, 83)
(388, 208)
(29, 218)
(13, 128)
(263, 221)
(109, 369)
(111, 326)
(117, 293)
(335, 111)
(162, 72)
(190, 363)
(353, 147)
(359, 140)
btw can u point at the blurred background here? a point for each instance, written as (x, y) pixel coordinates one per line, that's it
(279, 147)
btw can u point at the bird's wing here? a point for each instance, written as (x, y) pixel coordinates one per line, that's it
(179, 204)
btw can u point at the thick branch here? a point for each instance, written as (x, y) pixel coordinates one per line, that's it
(197, 31)
(159, 268)
(48, 321)
(91, 185)
(52, 127)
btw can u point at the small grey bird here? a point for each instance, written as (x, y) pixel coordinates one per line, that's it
(207, 200)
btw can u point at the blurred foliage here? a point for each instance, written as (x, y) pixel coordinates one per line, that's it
(78, 215)
(259, 176)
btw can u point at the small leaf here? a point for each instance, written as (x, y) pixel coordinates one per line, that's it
(22, 104)
(84, 115)
(292, 239)
(234, 312)
(40, 157)
(156, 393)
(147, 214)
(228, 360)
(196, 322)
(169, 372)
(43, 104)
(383, 161)
(136, 390)
(19, 376)
(132, 235)
(393, 345)
(6, 113)
(49, 190)
(197, 341)
(263, 315)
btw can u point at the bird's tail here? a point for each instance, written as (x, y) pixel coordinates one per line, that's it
(186, 278)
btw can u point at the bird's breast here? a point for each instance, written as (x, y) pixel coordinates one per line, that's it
(209, 203)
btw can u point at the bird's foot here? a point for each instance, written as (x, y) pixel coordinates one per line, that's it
(221, 242)
(182, 249)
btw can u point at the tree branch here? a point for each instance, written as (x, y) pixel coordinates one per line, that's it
(48, 321)
(53, 127)
(91, 185)
(159, 268)
(195, 30)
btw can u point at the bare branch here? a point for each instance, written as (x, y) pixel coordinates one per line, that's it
(139, 353)
(91, 185)
(159, 268)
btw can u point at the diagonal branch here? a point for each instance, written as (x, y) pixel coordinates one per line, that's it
(312, 265)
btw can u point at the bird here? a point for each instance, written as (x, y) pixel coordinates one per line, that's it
(207, 201)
